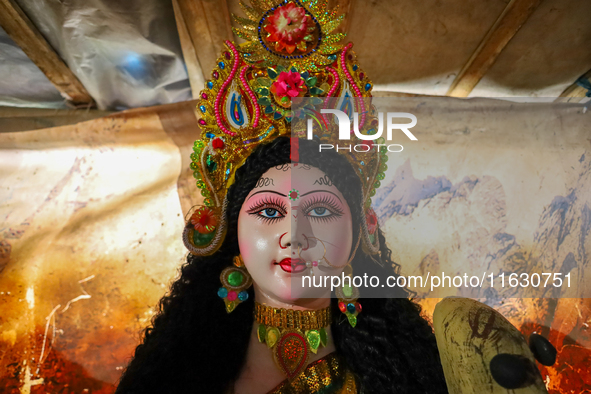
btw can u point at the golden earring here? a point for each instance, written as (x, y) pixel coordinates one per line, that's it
(235, 282)
(348, 295)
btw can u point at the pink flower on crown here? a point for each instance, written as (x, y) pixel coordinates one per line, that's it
(288, 84)
(287, 27)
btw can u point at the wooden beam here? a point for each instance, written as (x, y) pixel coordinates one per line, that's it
(20, 28)
(196, 78)
(575, 93)
(208, 25)
(515, 14)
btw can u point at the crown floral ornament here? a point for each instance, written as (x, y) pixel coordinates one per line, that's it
(290, 64)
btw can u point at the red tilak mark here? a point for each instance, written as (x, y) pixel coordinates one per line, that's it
(294, 150)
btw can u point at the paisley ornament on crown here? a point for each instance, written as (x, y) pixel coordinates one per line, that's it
(235, 109)
(346, 102)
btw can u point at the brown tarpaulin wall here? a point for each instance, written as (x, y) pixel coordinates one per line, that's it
(92, 216)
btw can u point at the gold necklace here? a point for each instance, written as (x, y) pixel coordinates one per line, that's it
(292, 335)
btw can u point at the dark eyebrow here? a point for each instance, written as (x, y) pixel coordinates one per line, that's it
(266, 191)
(321, 191)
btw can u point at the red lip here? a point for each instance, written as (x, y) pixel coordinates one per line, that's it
(292, 265)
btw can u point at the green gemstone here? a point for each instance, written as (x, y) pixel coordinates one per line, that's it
(381, 176)
(200, 184)
(372, 238)
(211, 164)
(273, 335)
(202, 239)
(381, 140)
(323, 337)
(230, 305)
(269, 109)
(368, 203)
(294, 70)
(352, 320)
(263, 91)
(272, 73)
(264, 101)
(385, 158)
(208, 202)
(280, 68)
(316, 91)
(235, 278)
(277, 115)
(372, 192)
(261, 333)
(377, 184)
(311, 81)
(313, 337)
(205, 193)
(197, 174)
(284, 99)
(383, 167)
(347, 291)
(264, 81)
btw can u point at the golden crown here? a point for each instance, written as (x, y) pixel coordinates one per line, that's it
(291, 52)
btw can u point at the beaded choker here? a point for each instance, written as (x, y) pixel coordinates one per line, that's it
(292, 335)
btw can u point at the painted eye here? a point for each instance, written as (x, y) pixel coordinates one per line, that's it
(320, 212)
(270, 213)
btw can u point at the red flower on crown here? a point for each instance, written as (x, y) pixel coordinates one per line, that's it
(204, 220)
(372, 221)
(287, 27)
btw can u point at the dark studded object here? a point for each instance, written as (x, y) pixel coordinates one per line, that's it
(509, 370)
(542, 349)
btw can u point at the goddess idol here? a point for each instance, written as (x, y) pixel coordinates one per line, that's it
(276, 210)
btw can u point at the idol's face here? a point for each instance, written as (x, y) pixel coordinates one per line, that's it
(294, 223)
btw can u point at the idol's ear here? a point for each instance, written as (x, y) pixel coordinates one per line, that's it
(481, 352)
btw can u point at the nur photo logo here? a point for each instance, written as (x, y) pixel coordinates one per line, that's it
(345, 130)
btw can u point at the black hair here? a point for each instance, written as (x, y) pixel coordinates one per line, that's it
(193, 345)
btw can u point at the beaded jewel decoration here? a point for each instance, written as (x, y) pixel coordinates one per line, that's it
(292, 53)
(292, 335)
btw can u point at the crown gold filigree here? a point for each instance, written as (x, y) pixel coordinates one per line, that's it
(291, 51)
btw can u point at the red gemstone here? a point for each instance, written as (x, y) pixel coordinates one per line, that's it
(227, 55)
(361, 75)
(232, 296)
(204, 96)
(358, 307)
(342, 307)
(202, 122)
(217, 143)
(350, 57)
(216, 75)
